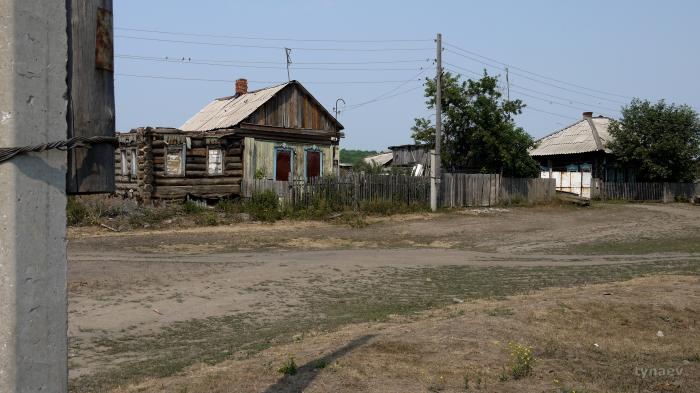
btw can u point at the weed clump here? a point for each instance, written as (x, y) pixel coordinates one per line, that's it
(264, 206)
(289, 367)
(521, 360)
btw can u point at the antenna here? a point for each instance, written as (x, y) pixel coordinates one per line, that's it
(288, 52)
(336, 107)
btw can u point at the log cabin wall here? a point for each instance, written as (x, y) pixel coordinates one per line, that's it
(196, 180)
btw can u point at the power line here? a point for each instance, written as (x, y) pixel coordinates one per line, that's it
(549, 113)
(226, 61)
(537, 80)
(587, 105)
(386, 94)
(538, 75)
(261, 82)
(357, 106)
(233, 65)
(393, 49)
(236, 37)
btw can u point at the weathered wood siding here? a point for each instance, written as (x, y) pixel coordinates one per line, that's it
(293, 108)
(196, 181)
(260, 155)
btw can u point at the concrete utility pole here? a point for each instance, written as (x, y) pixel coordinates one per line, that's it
(435, 158)
(33, 105)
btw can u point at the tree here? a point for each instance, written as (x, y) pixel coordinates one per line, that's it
(479, 133)
(662, 141)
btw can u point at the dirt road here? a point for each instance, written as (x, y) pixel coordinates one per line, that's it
(127, 288)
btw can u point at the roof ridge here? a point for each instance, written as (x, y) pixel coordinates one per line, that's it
(594, 131)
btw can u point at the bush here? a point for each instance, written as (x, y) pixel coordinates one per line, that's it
(77, 213)
(264, 206)
(192, 207)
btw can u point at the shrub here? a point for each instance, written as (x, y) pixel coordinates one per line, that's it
(192, 207)
(264, 206)
(289, 367)
(229, 206)
(78, 213)
(520, 360)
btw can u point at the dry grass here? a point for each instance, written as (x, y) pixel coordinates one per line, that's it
(588, 339)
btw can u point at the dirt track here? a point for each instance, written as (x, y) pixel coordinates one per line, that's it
(138, 283)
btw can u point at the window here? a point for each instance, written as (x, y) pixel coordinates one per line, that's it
(134, 164)
(175, 161)
(284, 159)
(314, 163)
(215, 161)
(125, 164)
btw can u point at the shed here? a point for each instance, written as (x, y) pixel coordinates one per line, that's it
(279, 133)
(416, 157)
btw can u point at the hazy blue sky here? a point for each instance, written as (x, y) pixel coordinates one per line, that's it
(645, 49)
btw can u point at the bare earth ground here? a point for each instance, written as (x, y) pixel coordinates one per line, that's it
(218, 309)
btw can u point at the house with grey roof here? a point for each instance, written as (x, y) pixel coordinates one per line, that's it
(578, 153)
(278, 133)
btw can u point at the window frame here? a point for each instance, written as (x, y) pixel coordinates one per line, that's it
(183, 157)
(223, 160)
(313, 149)
(124, 162)
(291, 161)
(133, 167)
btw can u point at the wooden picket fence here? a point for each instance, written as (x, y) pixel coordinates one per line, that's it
(654, 192)
(457, 190)
(349, 191)
(463, 190)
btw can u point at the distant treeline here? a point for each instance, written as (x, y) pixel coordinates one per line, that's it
(348, 156)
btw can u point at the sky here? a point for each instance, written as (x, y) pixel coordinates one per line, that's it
(564, 57)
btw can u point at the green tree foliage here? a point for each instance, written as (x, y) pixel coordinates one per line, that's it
(355, 156)
(662, 141)
(479, 133)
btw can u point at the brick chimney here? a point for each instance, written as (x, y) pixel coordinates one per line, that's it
(241, 87)
(587, 115)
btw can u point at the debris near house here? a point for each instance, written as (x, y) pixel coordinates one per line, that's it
(277, 133)
(570, 197)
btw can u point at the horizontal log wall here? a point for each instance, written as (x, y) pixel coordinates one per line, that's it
(196, 180)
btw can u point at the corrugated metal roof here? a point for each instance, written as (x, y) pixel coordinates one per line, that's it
(579, 137)
(228, 112)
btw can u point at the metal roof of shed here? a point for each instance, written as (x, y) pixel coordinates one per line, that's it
(586, 135)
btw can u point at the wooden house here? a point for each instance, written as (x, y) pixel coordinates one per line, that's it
(577, 154)
(279, 133)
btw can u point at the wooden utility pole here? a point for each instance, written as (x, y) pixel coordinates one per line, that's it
(435, 159)
(507, 85)
(91, 108)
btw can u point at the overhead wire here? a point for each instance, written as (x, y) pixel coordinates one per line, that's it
(537, 74)
(537, 80)
(234, 65)
(238, 37)
(326, 49)
(261, 82)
